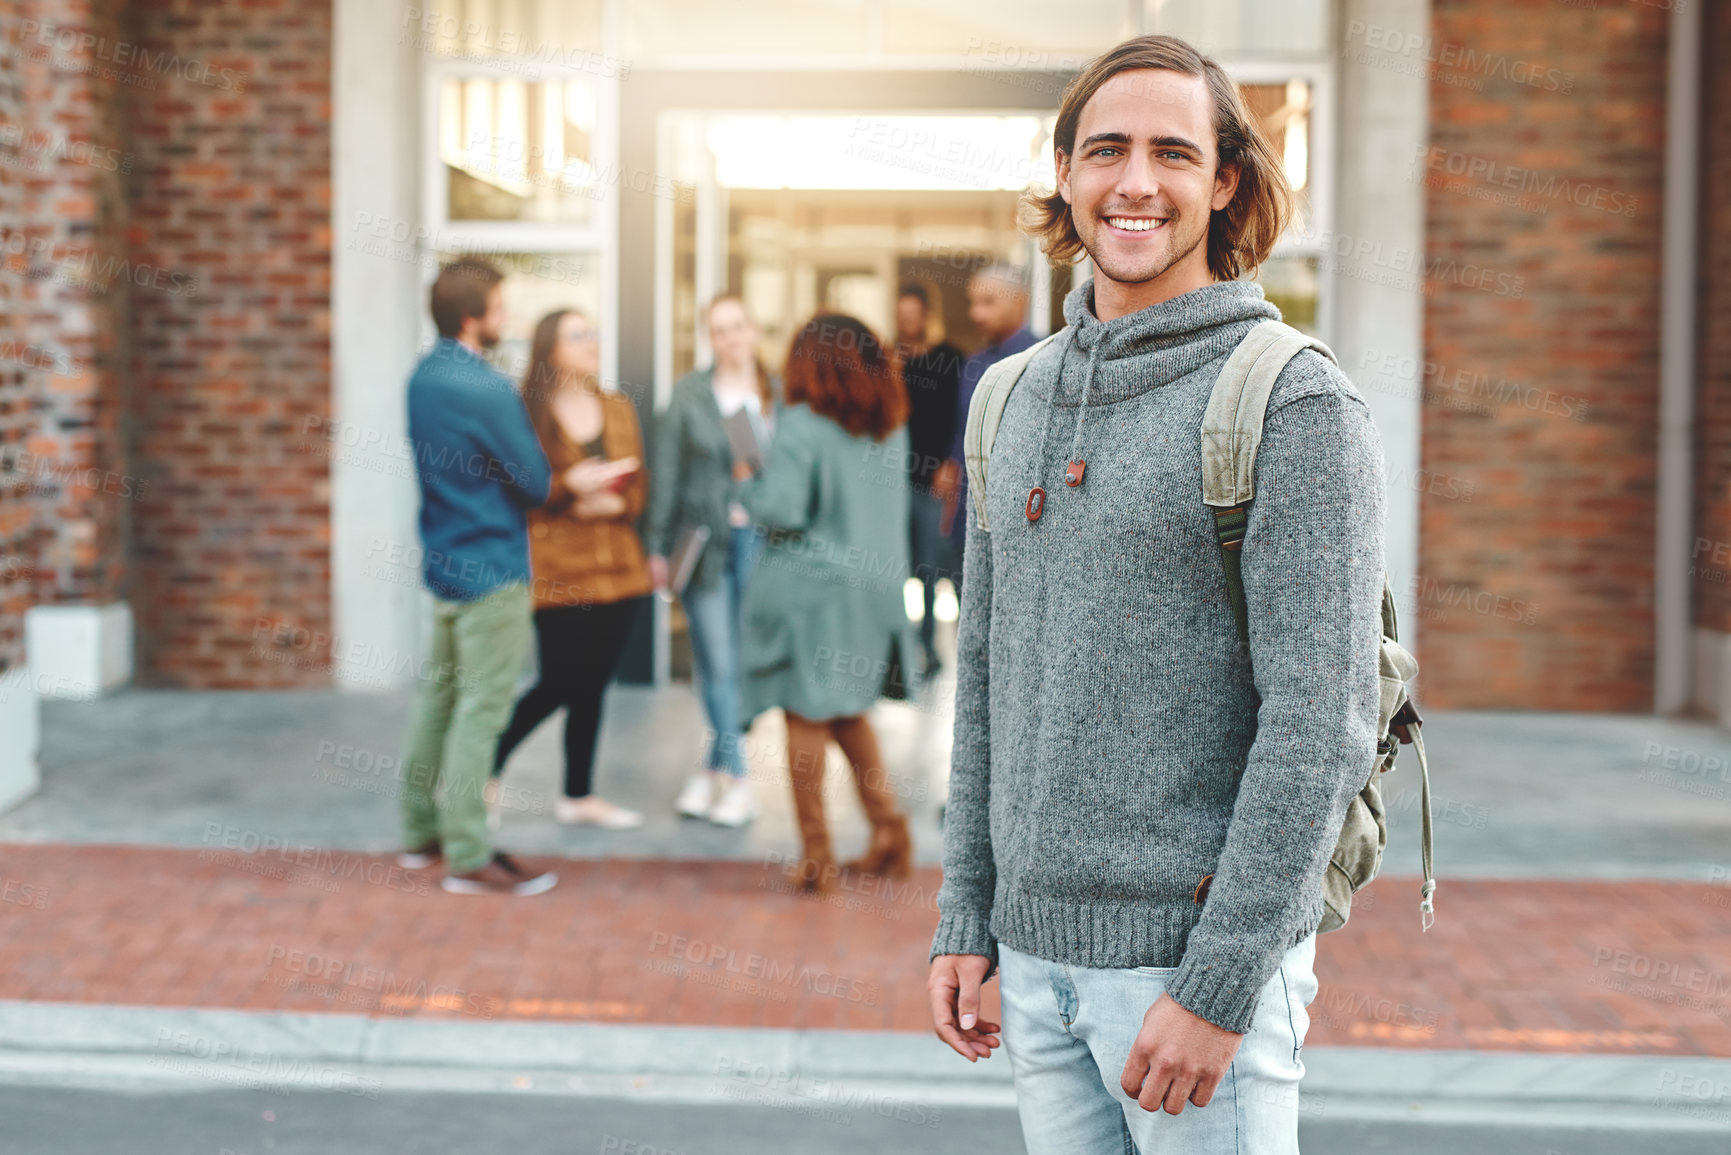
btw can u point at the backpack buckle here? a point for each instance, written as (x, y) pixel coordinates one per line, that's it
(1404, 717)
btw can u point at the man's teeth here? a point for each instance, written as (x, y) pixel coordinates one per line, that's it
(1134, 224)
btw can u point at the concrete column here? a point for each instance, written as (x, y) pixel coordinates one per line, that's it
(376, 310)
(20, 722)
(1379, 331)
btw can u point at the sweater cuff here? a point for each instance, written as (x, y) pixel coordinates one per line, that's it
(1218, 986)
(965, 932)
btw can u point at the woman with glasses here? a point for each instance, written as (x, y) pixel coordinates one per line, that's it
(589, 570)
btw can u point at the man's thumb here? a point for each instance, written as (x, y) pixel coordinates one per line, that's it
(968, 1001)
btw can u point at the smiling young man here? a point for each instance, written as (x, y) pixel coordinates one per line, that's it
(1140, 811)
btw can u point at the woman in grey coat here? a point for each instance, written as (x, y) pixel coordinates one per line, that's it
(826, 627)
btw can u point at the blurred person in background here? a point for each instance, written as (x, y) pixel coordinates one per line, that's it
(590, 571)
(481, 470)
(694, 463)
(931, 374)
(826, 627)
(998, 307)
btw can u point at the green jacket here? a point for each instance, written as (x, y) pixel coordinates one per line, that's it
(824, 610)
(691, 481)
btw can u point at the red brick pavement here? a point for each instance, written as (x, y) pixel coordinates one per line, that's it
(1641, 967)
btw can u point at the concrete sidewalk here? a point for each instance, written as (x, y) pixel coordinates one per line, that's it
(1515, 795)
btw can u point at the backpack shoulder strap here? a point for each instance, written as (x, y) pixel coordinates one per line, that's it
(985, 411)
(1231, 434)
(1232, 427)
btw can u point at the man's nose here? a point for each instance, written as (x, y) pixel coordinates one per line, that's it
(1138, 178)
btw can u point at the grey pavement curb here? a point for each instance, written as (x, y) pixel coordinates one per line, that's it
(170, 1048)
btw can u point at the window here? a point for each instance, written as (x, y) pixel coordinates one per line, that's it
(521, 157)
(1236, 29)
(519, 151)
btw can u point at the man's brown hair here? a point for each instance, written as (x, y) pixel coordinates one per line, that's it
(460, 292)
(839, 368)
(1241, 235)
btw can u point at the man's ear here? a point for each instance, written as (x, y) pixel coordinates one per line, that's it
(1062, 165)
(1225, 186)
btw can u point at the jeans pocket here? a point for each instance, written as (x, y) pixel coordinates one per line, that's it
(1297, 1017)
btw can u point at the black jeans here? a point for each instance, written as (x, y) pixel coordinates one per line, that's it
(579, 647)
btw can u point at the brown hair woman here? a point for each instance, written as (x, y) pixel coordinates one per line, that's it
(590, 573)
(826, 629)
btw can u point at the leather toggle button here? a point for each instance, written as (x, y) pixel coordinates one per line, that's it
(1073, 475)
(1202, 889)
(1036, 503)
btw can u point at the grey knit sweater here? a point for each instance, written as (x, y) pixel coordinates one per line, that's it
(1112, 746)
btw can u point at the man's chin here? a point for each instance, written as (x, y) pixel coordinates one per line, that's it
(1132, 271)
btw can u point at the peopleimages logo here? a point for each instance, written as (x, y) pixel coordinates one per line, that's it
(124, 54)
(1526, 180)
(61, 148)
(1462, 60)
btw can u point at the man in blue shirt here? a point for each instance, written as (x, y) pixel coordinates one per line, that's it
(998, 307)
(481, 469)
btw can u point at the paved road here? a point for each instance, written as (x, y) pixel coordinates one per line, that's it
(56, 1121)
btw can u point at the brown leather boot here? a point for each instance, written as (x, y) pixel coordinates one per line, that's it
(817, 869)
(890, 854)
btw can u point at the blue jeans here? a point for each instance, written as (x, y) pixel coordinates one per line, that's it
(716, 618)
(1068, 1032)
(932, 555)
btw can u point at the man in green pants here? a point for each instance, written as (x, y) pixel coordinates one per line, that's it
(481, 469)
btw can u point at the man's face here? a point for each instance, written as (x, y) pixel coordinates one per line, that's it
(910, 321)
(1144, 175)
(996, 309)
(492, 323)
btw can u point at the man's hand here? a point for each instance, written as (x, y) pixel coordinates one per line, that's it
(595, 475)
(742, 471)
(945, 479)
(954, 991)
(658, 572)
(946, 487)
(1177, 1057)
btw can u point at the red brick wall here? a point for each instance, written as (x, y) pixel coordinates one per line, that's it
(1538, 593)
(79, 284)
(18, 369)
(1712, 546)
(231, 352)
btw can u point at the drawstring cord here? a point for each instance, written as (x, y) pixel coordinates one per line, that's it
(1082, 412)
(1075, 442)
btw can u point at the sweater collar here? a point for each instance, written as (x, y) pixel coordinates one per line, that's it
(1169, 340)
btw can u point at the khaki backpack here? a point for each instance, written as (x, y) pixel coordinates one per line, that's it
(1231, 433)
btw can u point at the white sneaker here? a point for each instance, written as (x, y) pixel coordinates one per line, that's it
(697, 797)
(737, 805)
(593, 810)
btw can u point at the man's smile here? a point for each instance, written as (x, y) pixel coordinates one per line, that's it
(1135, 224)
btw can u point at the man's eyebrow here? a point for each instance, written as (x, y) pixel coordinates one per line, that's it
(1158, 142)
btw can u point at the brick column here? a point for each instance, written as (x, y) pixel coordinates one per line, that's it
(20, 373)
(1710, 568)
(1542, 342)
(231, 349)
(75, 285)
